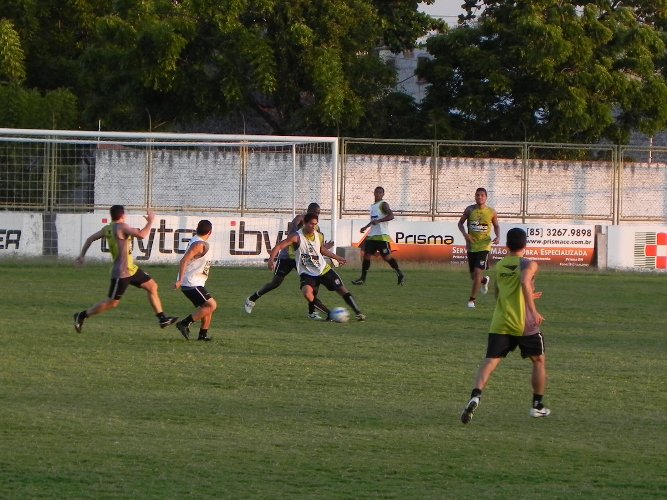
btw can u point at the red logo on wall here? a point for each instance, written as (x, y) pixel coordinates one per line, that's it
(651, 250)
(658, 250)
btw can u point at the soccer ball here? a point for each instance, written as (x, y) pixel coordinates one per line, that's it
(339, 315)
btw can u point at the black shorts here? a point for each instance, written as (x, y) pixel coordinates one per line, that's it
(330, 280)
(478, 260)
(373, 246)
(500, 345)
(198, 295)
(284, 267)
(119, 285)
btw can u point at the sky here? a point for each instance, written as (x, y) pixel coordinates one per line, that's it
(448, 10)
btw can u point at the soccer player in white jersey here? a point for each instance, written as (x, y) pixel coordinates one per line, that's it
(310, 250)
(192, 275)
(285, 264)
(378, 239)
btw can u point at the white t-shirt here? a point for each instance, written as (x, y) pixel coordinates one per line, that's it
(309, 258)
(196, 272)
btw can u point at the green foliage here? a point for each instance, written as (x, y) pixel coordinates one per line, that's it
(550, 71)
(278, 406)
(23, 108)
(12, 58)
(302, 66)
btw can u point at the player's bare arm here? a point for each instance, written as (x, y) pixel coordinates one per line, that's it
(389, 215)
(528, 289)
(328, 253)
(462, 221)
(290, 240)
(194, 252)
(89, 241)
(139, 233)
(496, 228)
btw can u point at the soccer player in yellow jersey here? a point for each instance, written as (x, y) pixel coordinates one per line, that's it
(124, 271)
(479, 217)
(516, 322)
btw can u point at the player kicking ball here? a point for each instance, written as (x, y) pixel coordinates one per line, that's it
(313, 269)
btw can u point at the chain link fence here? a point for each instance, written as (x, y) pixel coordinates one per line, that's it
(67, 171)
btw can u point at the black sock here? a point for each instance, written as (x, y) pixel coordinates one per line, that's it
(394, 265)
(271, 285)
(537, 401)
(188, 321)
(349, 300)
(317, 304)
(203, 332)
(472, 299)
(161, 316)
(476, 393)
(83, 315)
(365, 266)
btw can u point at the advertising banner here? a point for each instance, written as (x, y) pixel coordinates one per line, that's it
(567, 245)
(21, 234)
(642, 248)
(235, 241)
(248, 240)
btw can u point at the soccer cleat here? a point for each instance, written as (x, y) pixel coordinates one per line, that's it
(485, 285)
(169, 320)
(78, 324)
(540, 412)
(361, 317)
(205, 338)
(471, 304)
(401, 279)
(249, 304)
(315, 316)
(185, 331)
(470, 408)
(358, 282)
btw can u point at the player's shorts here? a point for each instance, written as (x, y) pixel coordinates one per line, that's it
(330, 280)
(478, 260)
(500, 345)
(373, 246)
(284, 266)
(198, 295)
(119, 285)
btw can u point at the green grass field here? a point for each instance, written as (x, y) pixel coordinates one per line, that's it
(278, 406)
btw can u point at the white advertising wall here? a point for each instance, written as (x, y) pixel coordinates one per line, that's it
(247, 241)
(637, 248)
(235, 241)
(21, 234)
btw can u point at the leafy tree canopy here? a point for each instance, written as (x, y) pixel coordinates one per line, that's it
(301, 65)
(550, 70)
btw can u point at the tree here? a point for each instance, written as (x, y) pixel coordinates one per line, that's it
(21, 107)
(549, 70)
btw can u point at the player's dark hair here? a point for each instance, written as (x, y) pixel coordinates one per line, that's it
(481, 190)
(310, 216)
(516, 239)
(380, 188)
(312, 208)
(116, 212)
(204, 227)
